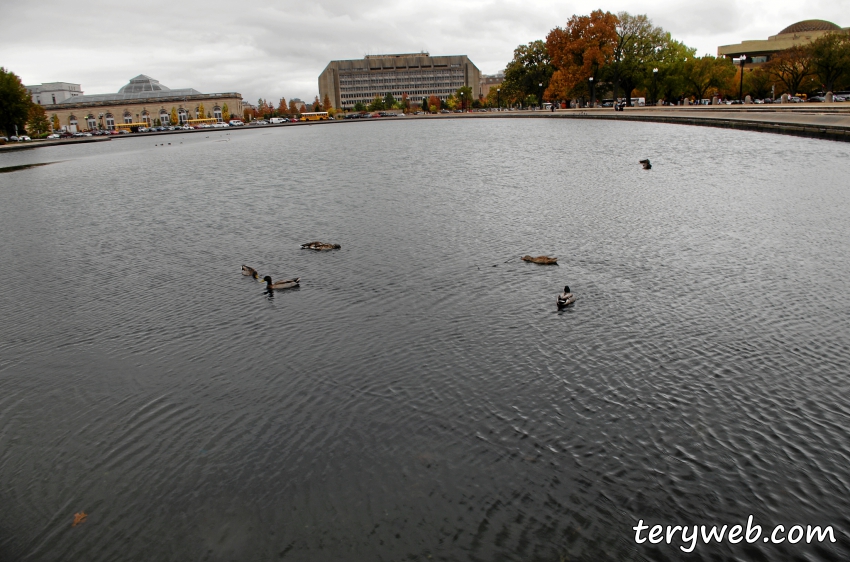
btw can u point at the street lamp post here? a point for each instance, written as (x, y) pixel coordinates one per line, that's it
(741, 87)
(592, 92)
(461, 101)
(540, 99)
(654, 86)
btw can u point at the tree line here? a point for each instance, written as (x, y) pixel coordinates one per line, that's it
(625, 55)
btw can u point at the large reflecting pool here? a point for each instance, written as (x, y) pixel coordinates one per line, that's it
(420, 397)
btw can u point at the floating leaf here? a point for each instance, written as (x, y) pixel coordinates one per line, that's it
(79, 518)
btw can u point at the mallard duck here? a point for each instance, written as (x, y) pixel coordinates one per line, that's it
(250, 271)
(543, 260)
(566, 298)
(286, 284)
(320, 246)
(646, 164)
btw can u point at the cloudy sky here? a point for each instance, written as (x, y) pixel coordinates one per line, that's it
(278, 48)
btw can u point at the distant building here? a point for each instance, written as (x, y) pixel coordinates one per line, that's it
(418, 75)
(489, 81)
(142, 100)
(800, 33)
(53, 92)
(299, 104)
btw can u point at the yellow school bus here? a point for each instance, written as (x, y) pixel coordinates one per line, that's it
(315, 116)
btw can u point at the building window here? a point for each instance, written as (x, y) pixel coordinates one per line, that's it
(91, 122)
(128, 118)
(110, 121)
(217, 113)
(72, 121)
(163, 118)
(182, 116)
(146, 118)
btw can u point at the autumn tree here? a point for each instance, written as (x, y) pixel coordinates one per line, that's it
(282, 108)
(173, 116)
(201, 110)
(15, 102)
(579, 51)
(293, 108)
(37, 122)
(758, 83)
(317, 105)
(530, 67)
(326, 103)
(434, 104)
(702, 74)
(791, 66)
(830, 59)
(55, 122)
(225, 112)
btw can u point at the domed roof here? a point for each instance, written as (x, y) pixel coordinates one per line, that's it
(810, 25)
(142, 83)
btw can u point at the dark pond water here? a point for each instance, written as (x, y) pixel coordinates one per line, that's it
(420, 397)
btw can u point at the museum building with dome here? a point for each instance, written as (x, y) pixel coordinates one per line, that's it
(143, 100)
(800, 33)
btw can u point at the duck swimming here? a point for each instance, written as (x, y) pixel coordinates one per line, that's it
(566, 298)
(320, 246)
(250, 271)
(646, 164)
(285, 284)
(542, 260)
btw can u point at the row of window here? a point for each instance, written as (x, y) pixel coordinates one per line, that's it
(108, 120)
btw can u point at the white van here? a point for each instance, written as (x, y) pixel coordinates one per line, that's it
(277, 120)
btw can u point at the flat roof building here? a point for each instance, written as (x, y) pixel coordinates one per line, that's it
(53, 92)
(800, 33)
(419, 75)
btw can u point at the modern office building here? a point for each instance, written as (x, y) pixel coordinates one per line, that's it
(53, 92)
(142, 100)
(760, 50)
(419, 75)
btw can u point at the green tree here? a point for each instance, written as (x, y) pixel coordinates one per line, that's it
(15, 102)
(637, 51)
(831, 59)
(389, 101)
(791, 66)
(757, 83)
(377, 103)
(359, 107)
(530, 67)
(701, 74)
(464, 94)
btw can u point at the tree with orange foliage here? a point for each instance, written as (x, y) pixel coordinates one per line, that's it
(434, 103)
(326, 103)
(282, 107)
(579, 51)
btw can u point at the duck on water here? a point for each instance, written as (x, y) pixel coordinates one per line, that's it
(285, 284)
(566, 298)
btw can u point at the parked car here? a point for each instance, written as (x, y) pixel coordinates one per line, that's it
(236, 122)
(817, 99)
(53, 136)
(23, 138)
(839, 98)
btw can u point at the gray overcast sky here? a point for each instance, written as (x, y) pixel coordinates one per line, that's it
(278, 48)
